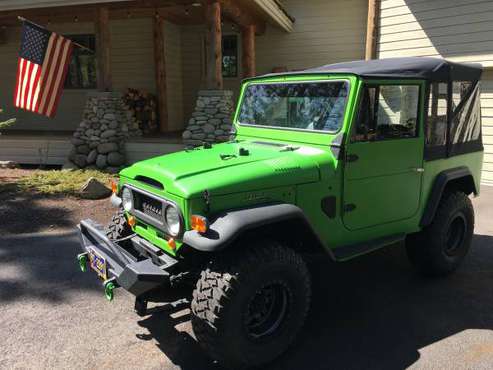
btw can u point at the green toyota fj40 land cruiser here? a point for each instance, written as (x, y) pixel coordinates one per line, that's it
(341, 159)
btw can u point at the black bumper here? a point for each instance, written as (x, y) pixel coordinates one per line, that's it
(136, 276)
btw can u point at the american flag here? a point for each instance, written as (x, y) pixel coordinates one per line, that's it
(43, 62)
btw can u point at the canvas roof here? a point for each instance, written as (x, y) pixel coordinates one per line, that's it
(433, 69)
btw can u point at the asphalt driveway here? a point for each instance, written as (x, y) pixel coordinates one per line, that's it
(371, 313)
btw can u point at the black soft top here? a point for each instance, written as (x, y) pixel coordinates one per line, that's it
(432, 69)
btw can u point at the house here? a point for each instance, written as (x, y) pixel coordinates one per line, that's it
(171, 49)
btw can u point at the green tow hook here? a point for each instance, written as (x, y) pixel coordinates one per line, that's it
(82, 258)
(109, 286)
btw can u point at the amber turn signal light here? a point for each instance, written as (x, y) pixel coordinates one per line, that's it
(132, 221)
(114, 187)
(172, 244)
(199, 223)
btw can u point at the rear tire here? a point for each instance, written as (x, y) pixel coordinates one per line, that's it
(441, 247)
(248, 307)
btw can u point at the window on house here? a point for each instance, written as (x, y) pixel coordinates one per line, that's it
(230, 55)
(387, 112)
(82, 69)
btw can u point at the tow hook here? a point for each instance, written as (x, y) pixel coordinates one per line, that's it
(109, 286)
(83, 258)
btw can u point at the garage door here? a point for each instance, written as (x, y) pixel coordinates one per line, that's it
(487, 120)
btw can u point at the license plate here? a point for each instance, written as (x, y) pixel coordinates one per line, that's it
(98, 264)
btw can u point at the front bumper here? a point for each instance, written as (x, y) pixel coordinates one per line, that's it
(139, 276)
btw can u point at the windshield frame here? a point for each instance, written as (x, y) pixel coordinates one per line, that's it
(303, 81)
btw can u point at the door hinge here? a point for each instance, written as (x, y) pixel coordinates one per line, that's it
(349, 207)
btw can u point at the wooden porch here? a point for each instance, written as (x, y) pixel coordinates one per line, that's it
(249, 18)
(43, 148)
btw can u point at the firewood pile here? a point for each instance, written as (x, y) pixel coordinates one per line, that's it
(143, 106)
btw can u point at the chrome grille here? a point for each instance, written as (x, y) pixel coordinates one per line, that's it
(149, 206)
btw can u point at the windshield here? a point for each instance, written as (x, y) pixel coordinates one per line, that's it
(315, 106)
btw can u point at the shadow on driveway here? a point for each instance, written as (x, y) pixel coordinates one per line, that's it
(41, 266)
(374, 312)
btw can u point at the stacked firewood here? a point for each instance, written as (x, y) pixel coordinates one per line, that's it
(143, 106)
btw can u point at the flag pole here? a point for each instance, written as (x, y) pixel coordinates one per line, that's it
(22, 19)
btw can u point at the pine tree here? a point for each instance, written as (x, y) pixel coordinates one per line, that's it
(7, 123)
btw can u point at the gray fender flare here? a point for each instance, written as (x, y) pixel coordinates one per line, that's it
(226, 227)
(441, 181)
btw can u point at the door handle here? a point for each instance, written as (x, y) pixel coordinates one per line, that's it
(418, 169)
(351, 158)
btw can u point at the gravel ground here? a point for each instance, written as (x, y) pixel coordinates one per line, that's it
(371, 313)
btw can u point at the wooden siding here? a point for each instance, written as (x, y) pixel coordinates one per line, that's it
(40, 149)
(174, 75)
(487, 122)
(54, 150)
(453, 29)
(324, 32)
(192, 48)
(137, 151)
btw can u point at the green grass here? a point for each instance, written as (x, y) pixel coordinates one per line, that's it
(62, 182)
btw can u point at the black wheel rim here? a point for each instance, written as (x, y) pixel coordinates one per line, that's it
(266, 310)
(455, 235)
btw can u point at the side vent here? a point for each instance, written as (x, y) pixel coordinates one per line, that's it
(151, 182)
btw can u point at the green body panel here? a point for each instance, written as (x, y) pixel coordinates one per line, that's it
(389, 184)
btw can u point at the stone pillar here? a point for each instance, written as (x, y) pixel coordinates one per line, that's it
(212, 118)
(99, 141)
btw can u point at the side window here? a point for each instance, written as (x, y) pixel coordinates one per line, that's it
(82, 69)
(387, 112)
(436, 127)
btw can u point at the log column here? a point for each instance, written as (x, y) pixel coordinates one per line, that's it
(248, 51)
(160, 63)
(372, 29)
(214, 46)
(103, 47)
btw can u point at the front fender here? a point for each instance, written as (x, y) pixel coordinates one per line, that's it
(225, 228)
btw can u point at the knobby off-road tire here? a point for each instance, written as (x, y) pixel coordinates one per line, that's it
(440, 248)
(118, 228)
(248, 306)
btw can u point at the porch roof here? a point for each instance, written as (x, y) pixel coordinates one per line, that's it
(270, 11)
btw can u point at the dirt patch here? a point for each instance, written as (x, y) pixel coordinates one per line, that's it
(24, 211)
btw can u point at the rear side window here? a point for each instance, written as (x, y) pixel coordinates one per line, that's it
(387, 112)
(466, 118)
(453, 125)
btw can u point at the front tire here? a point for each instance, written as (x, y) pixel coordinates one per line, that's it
(118, 228)
(248, 307)
(441, 247)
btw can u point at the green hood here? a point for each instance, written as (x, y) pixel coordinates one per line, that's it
(222, 170)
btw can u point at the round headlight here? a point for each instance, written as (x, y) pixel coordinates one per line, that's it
(172, 218)
(127, 200)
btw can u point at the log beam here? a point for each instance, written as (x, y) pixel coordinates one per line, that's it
(103, 49)
(160, 65)
(248, 51)
(372, 29)
(214, 45)
(242, 15)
